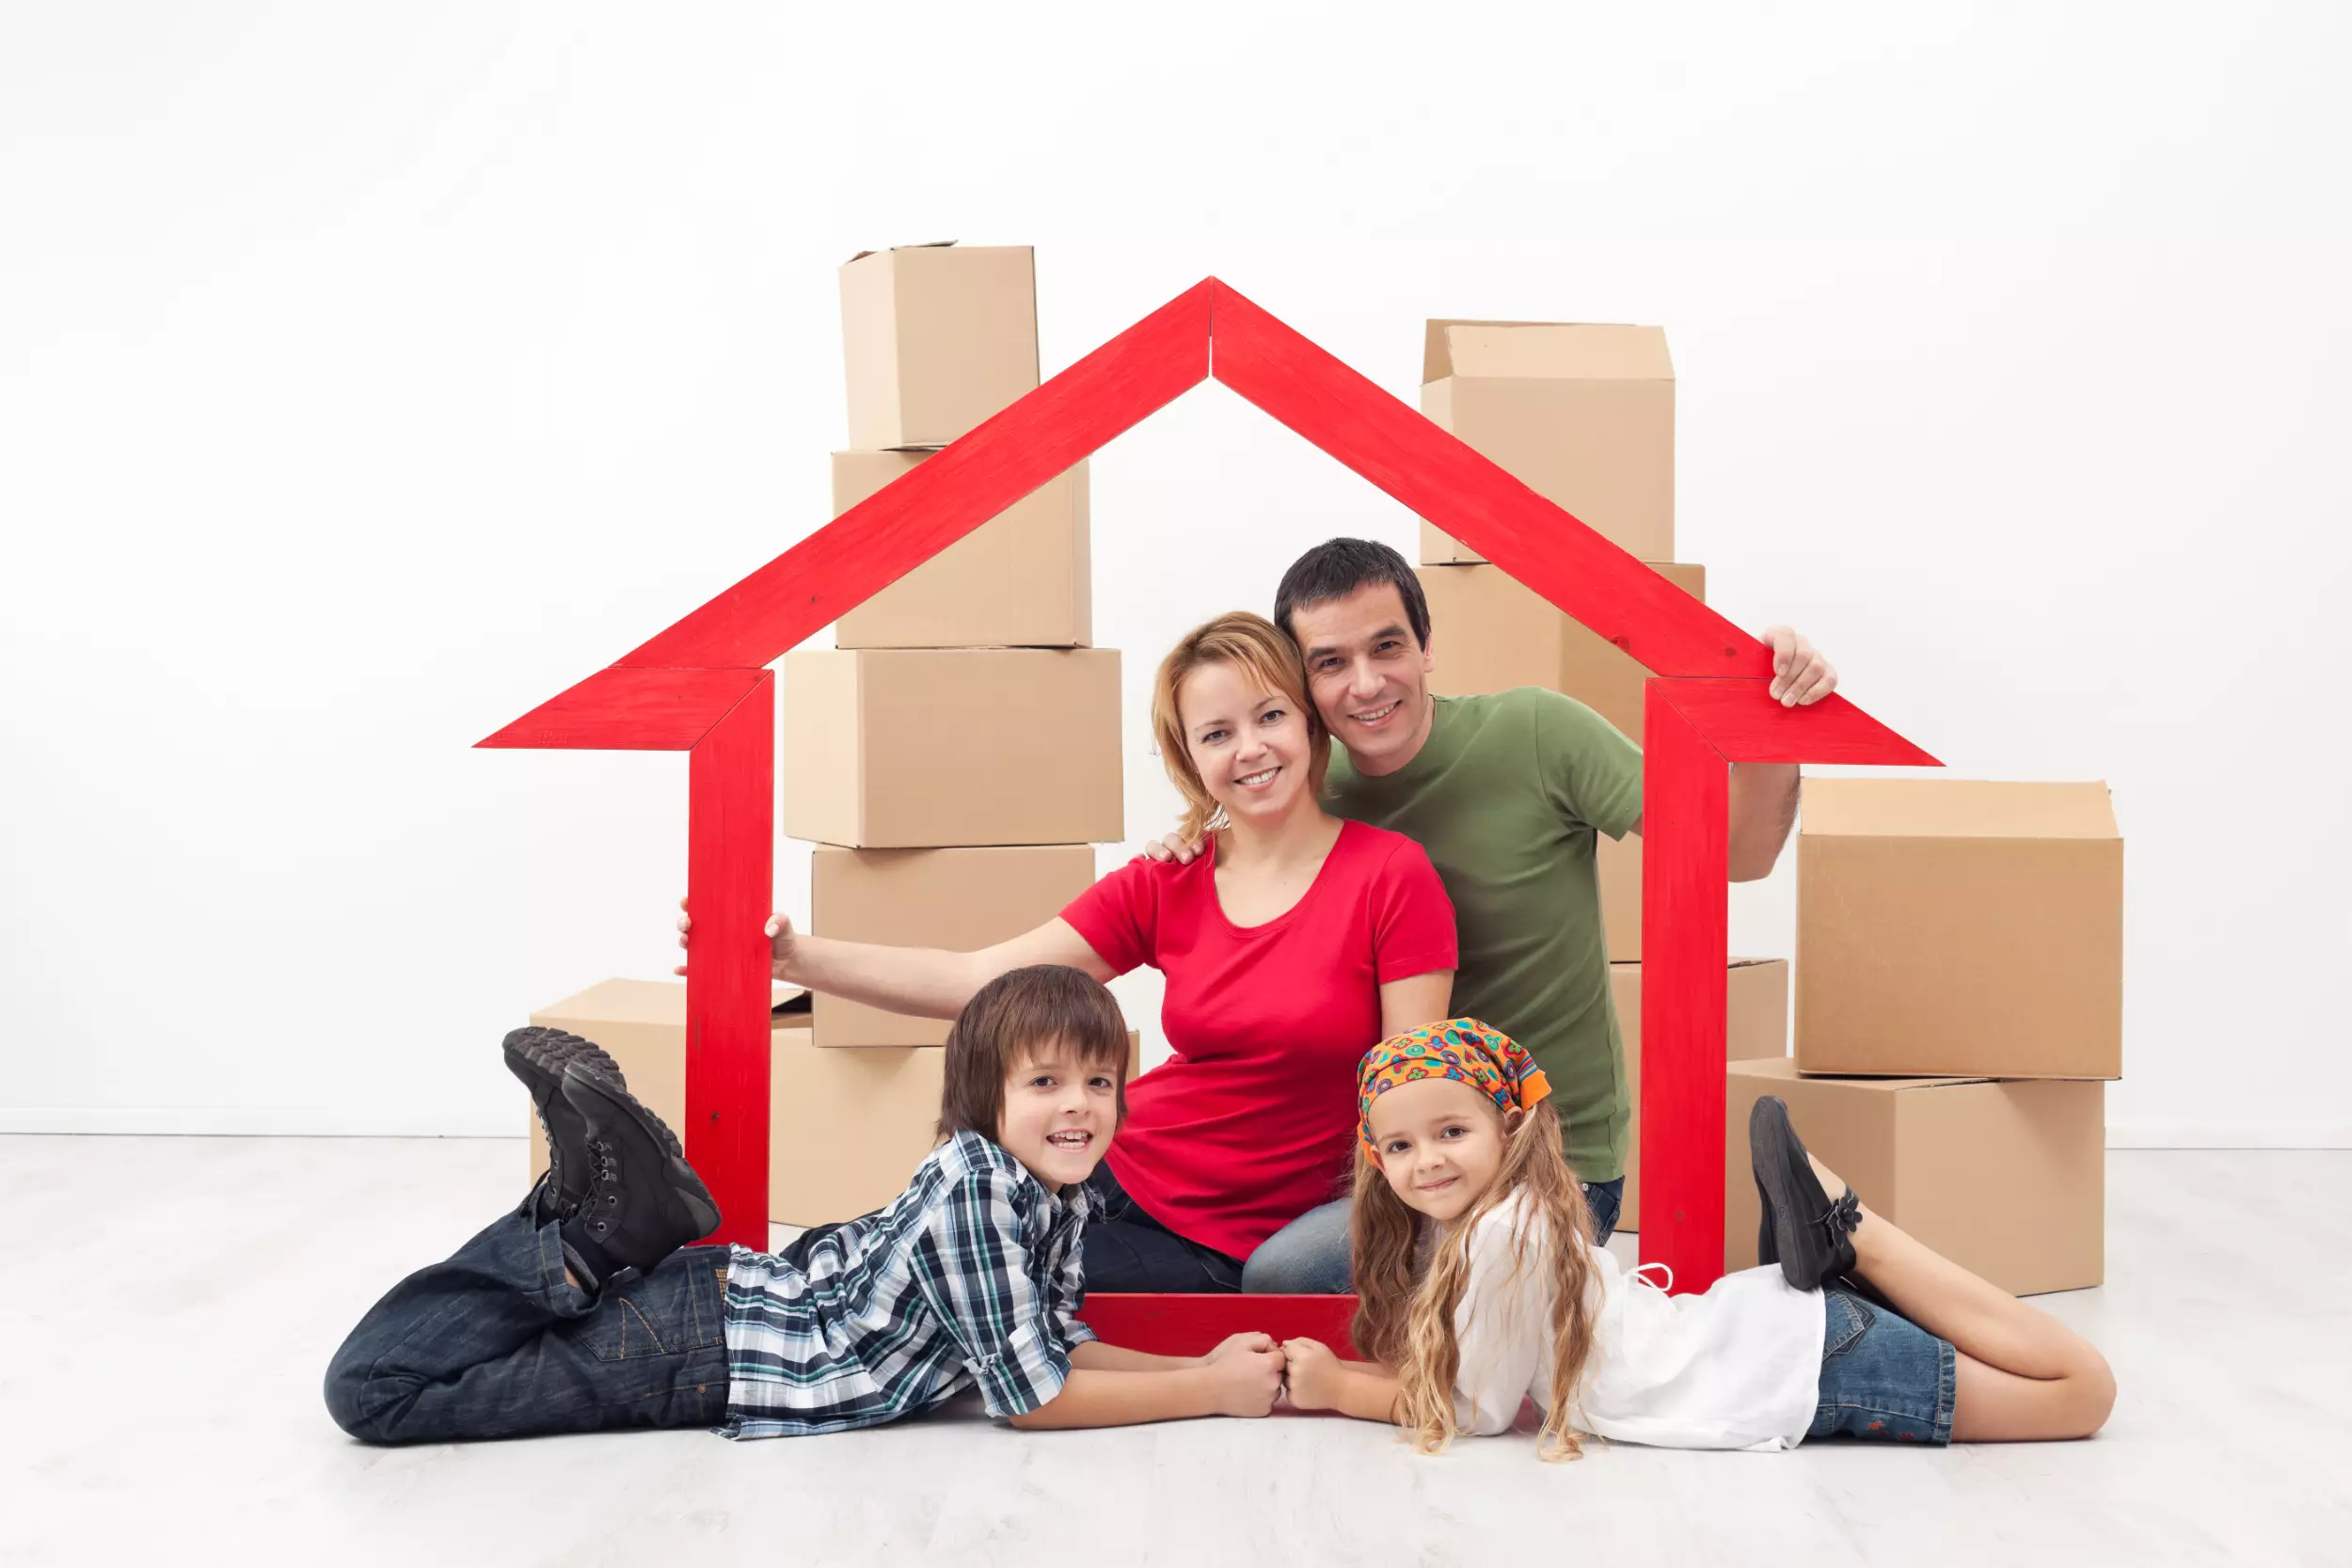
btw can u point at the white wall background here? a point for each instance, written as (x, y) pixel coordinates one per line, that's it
(368, 375)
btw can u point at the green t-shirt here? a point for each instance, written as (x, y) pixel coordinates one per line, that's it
(1506, 796)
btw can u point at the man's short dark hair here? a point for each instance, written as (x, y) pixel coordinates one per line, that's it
(1338, 567)
(1041, 1005)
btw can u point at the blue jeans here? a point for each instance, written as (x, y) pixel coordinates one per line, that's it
(1126, 1249)
(494, 1343)
(1309, 1255)
(1884, 1378)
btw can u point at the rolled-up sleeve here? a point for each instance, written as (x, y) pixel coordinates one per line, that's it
(974, 1275)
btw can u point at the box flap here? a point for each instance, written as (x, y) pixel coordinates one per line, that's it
(1589, 351)
(1955, 808)
(1784, 1068)
(924, 244)
(1436, 360)
(656, 1002)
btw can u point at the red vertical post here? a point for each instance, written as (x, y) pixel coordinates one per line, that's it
(730, 869)
(1686, 914)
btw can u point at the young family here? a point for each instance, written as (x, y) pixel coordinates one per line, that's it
(1332, 928)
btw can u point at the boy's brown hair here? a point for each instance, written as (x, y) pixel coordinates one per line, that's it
(1023, 1009)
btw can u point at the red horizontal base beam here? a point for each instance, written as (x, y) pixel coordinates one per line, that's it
(1194, 1326)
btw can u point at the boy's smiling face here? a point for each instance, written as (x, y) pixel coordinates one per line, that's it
(1059, 1113)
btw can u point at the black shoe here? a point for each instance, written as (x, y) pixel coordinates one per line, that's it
(1809, 1237)
(538, 1057)
(643, 1201)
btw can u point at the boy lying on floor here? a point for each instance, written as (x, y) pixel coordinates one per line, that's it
(587, 1309)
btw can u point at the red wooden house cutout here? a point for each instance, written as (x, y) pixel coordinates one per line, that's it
(703, 687)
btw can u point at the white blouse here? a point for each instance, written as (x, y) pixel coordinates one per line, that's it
(1737, 1367)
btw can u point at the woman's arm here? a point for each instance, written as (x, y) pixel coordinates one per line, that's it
(1242, 1384)
(925, 982)
(1414, 948)
(1416, 1000)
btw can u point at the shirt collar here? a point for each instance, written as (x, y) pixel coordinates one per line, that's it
(1040, 1207)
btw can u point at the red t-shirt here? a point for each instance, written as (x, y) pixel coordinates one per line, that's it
(1250, 1122)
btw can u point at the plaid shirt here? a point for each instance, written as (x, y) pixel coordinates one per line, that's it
(972, 1275)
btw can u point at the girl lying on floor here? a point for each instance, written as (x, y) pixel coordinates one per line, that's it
(1480, 1287)
(587, 1309)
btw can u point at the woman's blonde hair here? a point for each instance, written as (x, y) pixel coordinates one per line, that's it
(1264, 654)
(1405, 1312)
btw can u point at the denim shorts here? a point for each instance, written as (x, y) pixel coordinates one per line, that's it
(1884, 1378)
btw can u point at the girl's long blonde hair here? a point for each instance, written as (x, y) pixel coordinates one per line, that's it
(1405, 1312)
(1271, 659)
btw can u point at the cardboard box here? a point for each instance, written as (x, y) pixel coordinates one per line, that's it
(1021, 580)
(641, 1025)
(958, 899)
(846, 1128)
(1755, 994)
(2007, 1178)
(1618, 862)
(1583, 415)
(1952, 927)
(935, 339)
(1492, 633)
(899, 747)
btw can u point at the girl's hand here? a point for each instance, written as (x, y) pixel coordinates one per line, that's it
(1246, 1381)
(781, 944)
(1233, 1343)
(1313, 1374)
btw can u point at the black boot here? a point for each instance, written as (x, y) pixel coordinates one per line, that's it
(1810, 1237)
(642, 1201)
(538, 1057)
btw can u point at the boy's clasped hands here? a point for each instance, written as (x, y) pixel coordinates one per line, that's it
(1255, 1372)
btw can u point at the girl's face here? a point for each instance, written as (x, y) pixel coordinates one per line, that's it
(1440, 1144)
(1250, 745)
(1059, 1113)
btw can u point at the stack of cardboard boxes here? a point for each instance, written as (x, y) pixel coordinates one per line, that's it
(1583, 415)
(1959, 952)
(1960, 990)
(954, 757)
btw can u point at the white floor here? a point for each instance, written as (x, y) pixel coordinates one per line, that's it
(174, 1302)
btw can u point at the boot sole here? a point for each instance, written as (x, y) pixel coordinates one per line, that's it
(1784, 1179)
(597, 1098)
(538, 1055)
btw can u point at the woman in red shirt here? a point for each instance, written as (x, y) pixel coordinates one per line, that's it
(1292, 947)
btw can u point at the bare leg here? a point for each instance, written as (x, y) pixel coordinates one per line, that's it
(2021, 1374)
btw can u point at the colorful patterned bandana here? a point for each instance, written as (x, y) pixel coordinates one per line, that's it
(1461, 1049)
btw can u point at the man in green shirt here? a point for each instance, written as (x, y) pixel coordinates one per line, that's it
(1507, 793)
